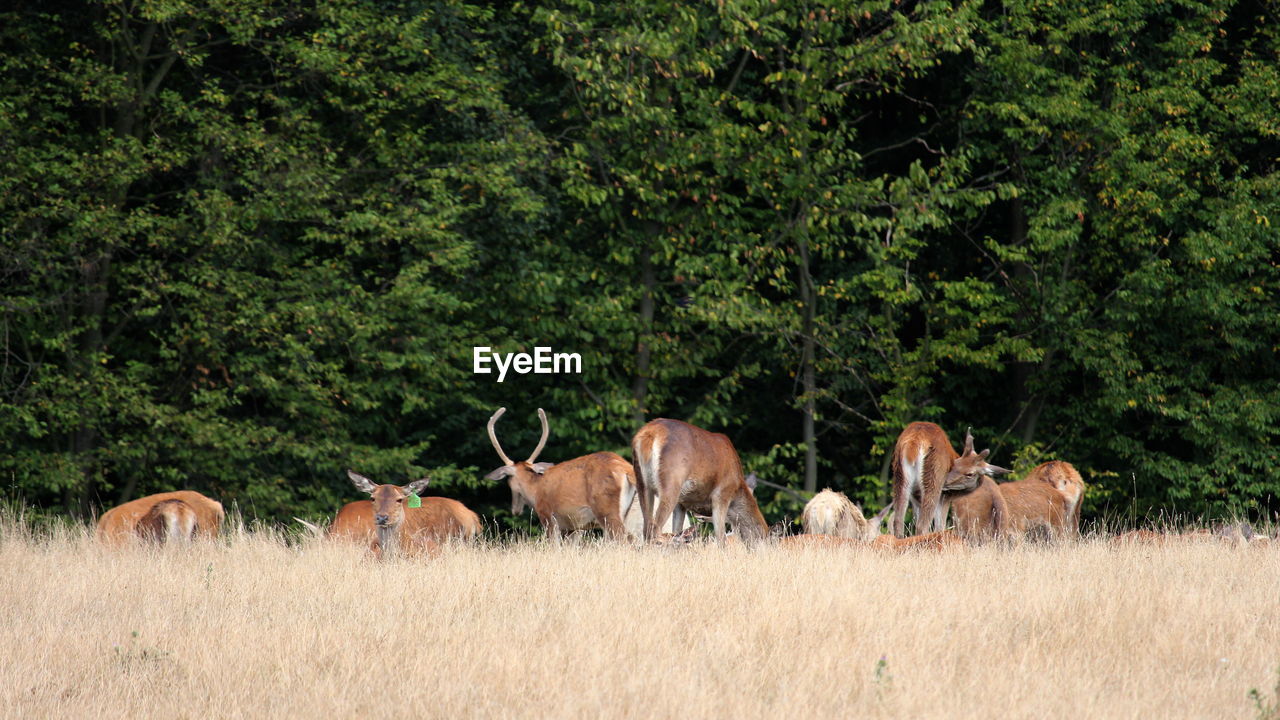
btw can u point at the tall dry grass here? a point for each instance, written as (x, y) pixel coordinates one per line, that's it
(254, 627)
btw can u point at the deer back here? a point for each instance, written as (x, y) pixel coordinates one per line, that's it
(121, 522)
(927, 444)
(1032, 505)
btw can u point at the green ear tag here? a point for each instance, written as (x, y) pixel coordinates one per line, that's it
(414, 500)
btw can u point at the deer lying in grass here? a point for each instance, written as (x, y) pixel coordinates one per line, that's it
(929, 541)
(929, 474)
(388, 524)
(590, 491)
(164, 517)
(681, 465)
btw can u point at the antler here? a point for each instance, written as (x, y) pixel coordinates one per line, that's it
(494, 438)
(546, 430)
(968, 441)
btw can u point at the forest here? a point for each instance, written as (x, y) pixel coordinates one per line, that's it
(247, 245)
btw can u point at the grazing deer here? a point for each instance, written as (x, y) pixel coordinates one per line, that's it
(163, 517)
(1063, 477)
(590, 491)
(832, 513)
(1028, 506)
(679, 464)
(390, 525)
(928, 473)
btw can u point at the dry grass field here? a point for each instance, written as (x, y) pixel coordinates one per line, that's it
(252, 626)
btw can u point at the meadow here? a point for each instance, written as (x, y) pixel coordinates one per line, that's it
(263, 624)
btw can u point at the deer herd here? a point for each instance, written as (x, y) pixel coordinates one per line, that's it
(676, 470)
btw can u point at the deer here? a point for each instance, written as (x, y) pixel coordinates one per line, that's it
(678, 464)
(391, 525)
(928, 474)
(849, 529)
(982, 514)
(1028, 506)
(590, 491)
(168, 521)
(1066, 480)
(832, 513)
(164, 517)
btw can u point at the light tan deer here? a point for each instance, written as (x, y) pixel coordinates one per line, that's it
(832, 513)
(163, 517)
(679, 464)
(389, 525)
(928, 474)
(590, 491)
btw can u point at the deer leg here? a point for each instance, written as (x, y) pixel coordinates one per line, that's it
(614, 528)
(925, 514)
(677, 520)
(647, 528)
(666, 505)
(899, 508)
(719, 510)
(552, 529)
(940, 517)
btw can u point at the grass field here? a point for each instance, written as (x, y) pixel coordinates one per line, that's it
(252, 626)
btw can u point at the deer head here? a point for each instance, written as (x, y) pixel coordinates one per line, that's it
(967, 470)
(521, 476)
(388, 500)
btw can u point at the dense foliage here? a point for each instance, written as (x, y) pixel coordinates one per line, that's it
(247, 245)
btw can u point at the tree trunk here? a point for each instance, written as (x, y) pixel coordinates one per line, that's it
(807, 382)
(640, 386)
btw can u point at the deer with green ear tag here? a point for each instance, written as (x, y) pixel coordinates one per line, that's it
(396, 519)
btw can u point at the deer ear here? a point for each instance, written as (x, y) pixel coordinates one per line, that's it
(500, 473)
(362, 483)
(751, 481)
(541, 468)
(417, 486)
(994, 470)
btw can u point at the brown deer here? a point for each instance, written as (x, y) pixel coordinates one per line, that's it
(679, 464)
(163, 517)
(1063, 477)
(168, 521)
(590, 491)
(1028, 506)
(389, 525)
(832, 513)
(928, 474)
(982, 514)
